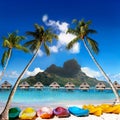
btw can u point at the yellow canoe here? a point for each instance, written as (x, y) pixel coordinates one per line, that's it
(108, 108)
(116, 109)
(105, 107)
(28, 113)
(94, 110)
(98, 111)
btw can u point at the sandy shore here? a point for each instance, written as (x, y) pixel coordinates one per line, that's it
(104, 116)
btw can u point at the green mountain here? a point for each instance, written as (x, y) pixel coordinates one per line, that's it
(70, 72)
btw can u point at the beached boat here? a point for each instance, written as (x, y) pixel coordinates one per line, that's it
(107, 108)
(94, 110)
(14, 113)
(45, 113)
(61, 112)
(117, 109)
(28, 113)
(79, 112)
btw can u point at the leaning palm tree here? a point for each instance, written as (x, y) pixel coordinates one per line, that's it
(10, 42)
(41, 37)
(82, 32)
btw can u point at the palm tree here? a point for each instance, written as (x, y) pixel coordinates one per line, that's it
(10, 42)
(41, 37)
(82, 32)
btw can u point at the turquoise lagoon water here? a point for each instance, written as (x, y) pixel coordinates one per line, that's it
(61, 95)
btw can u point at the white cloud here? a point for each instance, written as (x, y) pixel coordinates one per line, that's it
(115, 77)
(40, 53)
(91, 73)
(11, 74)
(64, 38)
(54, 49)
(76, 48)
(96, 74)
(45, 18)
(63, 27)
(33, 73)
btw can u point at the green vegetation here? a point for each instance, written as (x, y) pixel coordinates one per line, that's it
(70, 72)
(40, 37)
(62, 75)
(82, 33)
(9, 43)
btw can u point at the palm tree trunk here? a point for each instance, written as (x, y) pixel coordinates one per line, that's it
(2, 74)
(4, 114)
(102, 71)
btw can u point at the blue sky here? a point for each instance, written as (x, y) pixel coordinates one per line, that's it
(21, 15)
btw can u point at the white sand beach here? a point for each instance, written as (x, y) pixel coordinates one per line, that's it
(104, 116)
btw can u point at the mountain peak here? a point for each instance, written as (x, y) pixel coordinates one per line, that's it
(70, 69)
(69, 72)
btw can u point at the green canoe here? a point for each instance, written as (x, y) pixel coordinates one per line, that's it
(14, 113)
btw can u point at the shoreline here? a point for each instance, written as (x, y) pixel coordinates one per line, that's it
(104, 116)
(62, 102)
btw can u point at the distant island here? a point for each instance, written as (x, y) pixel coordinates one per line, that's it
(70, 72)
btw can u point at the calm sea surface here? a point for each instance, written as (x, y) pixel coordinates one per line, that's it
(47, 95)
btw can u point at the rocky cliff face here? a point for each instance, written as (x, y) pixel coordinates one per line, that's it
(70, 69)
(70, 72)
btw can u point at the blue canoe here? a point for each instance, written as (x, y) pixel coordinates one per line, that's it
(79, 112)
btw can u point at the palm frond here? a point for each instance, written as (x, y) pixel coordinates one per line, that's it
(31, 33)
(71, 43)
(72, 31)
(20, 47)
(4, 58)
(20, 38)
(75, 21)
(91, 31)
(93, 44)
(37, 27)
(55, 36)
(49, 36)
(40, 36)
(29, 43)
(32, 48)
(6, 43)
(35, 46)
(89, 22)
(81, 22)
(47, 50)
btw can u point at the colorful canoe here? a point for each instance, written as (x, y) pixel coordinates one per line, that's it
(28, 113)
(107, 108)
(45, 113)
(117, 109)
(94, 110)
(61, 112)
(14, 113)
(78, 111)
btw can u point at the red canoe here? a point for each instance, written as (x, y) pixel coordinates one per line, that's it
(61, 112)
